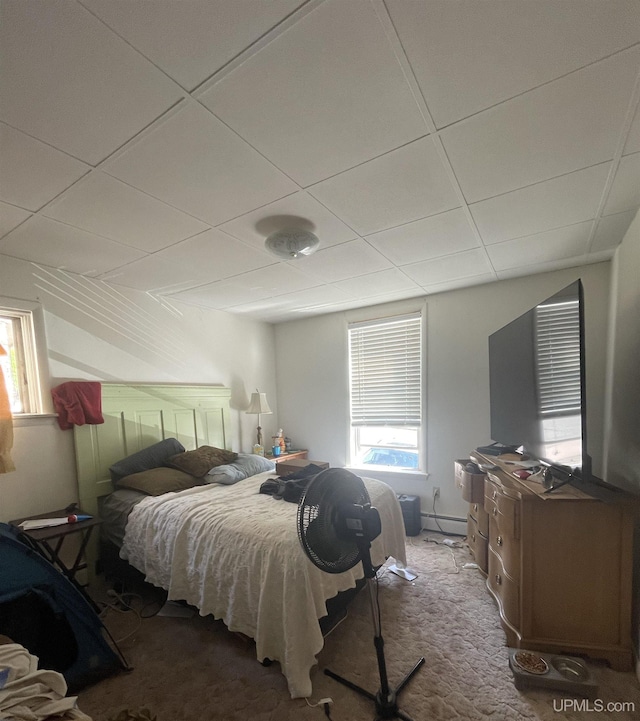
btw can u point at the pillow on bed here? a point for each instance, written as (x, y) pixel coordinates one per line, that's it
(156, 481)
(247, 464)
(199, 462)
(147, 458)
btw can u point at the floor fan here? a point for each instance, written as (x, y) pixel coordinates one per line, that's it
(336, 525)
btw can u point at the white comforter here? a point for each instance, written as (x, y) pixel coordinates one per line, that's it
(234, 553)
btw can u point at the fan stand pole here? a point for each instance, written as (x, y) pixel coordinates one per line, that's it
(386, 699)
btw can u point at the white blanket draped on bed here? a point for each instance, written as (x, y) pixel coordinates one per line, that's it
(234, 553)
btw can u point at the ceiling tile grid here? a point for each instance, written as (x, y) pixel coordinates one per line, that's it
(429, 145)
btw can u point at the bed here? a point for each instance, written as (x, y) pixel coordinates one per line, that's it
(227, 549)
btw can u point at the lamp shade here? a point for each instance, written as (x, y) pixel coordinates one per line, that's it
(258, 404)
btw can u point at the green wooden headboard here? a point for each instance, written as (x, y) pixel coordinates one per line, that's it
(138, 415)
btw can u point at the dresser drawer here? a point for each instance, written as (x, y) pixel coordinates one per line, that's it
(470, 484)
(505, 590)
(491, 492)
(481, 517)
(503, 509)
(507, 549)
(477, 542)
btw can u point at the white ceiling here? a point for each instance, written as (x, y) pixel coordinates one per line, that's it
(430, 144)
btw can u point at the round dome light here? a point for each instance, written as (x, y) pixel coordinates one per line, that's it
(290, 244)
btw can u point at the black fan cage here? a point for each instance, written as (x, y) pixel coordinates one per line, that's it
(319, 522)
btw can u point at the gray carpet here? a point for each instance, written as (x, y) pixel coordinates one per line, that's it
(192, 669)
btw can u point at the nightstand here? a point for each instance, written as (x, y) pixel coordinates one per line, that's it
(290, 465)
(287, 456)
(48, 542)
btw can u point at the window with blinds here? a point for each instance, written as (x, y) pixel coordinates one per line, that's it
(385, 358)
(558, 358)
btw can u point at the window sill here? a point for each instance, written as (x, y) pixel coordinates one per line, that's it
(391, 472)
(33, 419)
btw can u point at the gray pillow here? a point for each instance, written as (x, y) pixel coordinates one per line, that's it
(156, 481)
(247, 464)
(151, 457)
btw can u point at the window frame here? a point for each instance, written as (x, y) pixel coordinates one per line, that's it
(356, 449)
(28, 318)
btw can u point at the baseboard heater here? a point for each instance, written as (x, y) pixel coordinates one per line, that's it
(436, 517)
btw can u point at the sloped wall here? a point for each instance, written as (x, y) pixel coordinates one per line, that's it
(99, 332)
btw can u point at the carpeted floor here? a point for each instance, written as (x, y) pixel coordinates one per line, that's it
(193, 669)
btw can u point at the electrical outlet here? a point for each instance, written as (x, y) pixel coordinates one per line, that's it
(436, 491)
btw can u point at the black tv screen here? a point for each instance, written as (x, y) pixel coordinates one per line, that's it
(537, 376)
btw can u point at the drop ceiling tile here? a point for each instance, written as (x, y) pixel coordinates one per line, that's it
(51, 243)
(316, 101)
(569, 124)
(460, 283)
(253, 286)
(468, 56)
(103, 205)
(207, 257)
(343, 261)
(383, 282)
(71, 82)
(625, 190)
(467, 264)
(32, 173)
(404, 185)
(438, 235)
(299, 211)
(611, 231)
(319, 299)
(195, 163)
(548, 267)
(632, 144)
(191, 40)
(11, 217)
(545, 247)
(550, 204)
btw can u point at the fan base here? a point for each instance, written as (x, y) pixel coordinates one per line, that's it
(386, 707)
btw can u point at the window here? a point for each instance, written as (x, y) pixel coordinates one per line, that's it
(385, 359)
(19, 364)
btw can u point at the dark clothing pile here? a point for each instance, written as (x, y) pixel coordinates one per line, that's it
(292, 486)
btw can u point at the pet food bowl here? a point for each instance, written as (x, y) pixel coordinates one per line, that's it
(535, 669)
(570, 668)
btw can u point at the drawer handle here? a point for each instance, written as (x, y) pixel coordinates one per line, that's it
(475, 507)
(494, 495)
(473, 537)
(498, 579)
(499, 540)
(495, 511)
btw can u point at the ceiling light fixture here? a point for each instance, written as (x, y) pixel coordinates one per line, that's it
(290, 244)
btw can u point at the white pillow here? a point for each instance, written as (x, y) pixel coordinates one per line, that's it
(247, 464)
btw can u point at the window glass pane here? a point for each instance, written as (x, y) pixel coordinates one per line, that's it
(10, 364)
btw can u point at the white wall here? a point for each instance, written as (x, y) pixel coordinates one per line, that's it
(99, 332)
(312, 374)
(623, 447)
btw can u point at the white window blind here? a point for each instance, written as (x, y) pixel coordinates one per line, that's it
(558, 358)
(386, 372)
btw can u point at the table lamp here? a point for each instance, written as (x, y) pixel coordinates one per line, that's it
(258, 405)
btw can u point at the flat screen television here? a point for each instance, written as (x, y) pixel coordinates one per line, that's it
(538, 388)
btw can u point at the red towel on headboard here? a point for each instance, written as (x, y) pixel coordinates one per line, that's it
(77, 403)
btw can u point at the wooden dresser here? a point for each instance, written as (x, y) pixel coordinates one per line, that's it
(559, 566)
